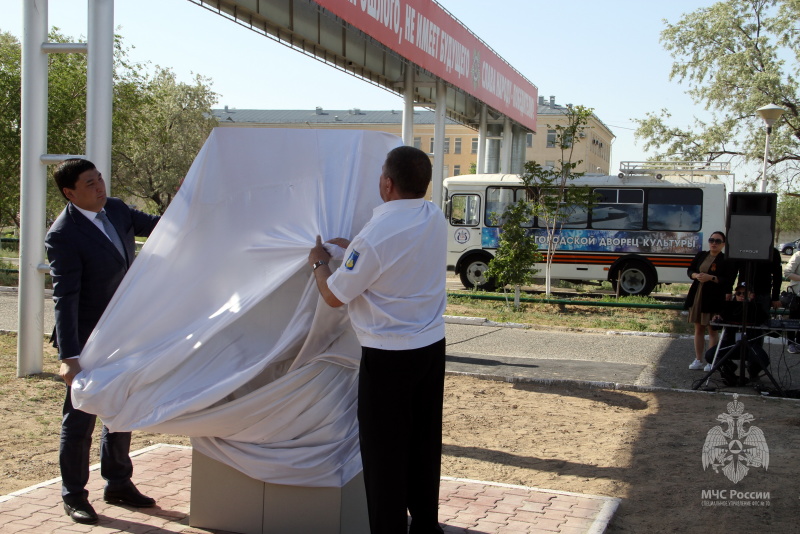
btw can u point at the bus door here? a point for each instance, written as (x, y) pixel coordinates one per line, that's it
(465, 222)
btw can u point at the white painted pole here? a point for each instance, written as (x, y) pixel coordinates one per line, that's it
(480, 167)
(408, 106)
(33, 189)
(769, 114)
(438, 143)
(99, 86)
(766, 157)
(508, 144)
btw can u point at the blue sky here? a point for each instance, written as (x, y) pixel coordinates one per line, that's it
(604, 55)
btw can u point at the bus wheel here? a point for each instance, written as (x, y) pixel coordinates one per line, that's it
(635, 278)
(472, 273)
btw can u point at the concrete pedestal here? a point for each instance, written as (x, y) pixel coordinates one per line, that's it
(226, 499)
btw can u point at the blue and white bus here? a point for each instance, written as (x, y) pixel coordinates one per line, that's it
(646, 225)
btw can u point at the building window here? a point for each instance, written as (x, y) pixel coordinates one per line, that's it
(551, 138)
(446, 145)
(457, 147)
(431, 151)
(456, 170)
(529, 140)
(474, 145)
(418, 142)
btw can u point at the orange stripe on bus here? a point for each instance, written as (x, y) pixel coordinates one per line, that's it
(600, 259)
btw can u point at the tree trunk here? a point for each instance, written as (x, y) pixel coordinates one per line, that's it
(547, 286)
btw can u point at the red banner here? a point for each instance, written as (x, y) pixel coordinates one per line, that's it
(426, 34)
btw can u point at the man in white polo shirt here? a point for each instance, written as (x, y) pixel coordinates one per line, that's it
(393, 278)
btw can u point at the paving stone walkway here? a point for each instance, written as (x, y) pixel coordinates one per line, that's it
(164, 473)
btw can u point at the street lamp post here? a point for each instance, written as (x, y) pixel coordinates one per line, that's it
(769, 113)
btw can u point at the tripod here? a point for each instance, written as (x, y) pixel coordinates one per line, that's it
(748, 357)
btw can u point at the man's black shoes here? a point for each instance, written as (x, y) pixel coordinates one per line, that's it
(129, 496)
(81, 512)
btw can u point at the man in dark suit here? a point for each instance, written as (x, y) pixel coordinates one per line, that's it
(90, 247)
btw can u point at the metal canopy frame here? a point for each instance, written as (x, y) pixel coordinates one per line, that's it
(305, 26)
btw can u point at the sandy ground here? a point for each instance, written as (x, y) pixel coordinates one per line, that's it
(644, 448)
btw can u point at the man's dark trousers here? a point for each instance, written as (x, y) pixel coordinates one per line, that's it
(400, 396)
(76, 441)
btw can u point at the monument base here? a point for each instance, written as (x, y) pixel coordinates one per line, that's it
(226, 499)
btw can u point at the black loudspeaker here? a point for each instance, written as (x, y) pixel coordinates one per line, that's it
(751, 225)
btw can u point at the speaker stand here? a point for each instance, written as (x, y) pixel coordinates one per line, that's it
(742, 348)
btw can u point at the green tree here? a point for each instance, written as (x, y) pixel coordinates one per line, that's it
(556, 200)
(516, 252)
(787, 218)
(158, 124)
(10, 90)
(735, 57)
(66, 118)
(165, 132)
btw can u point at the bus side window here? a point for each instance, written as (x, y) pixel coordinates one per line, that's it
(465, 210)
(677, 210)
(524, 194)
(618, 209)
(497, 200)
(567, 216)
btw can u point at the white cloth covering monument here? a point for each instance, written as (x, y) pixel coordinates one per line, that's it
(218, 331)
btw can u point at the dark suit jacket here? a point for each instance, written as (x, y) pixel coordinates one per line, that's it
(87, 268)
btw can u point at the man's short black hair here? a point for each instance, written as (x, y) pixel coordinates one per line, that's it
(410, 170)
(67, 173)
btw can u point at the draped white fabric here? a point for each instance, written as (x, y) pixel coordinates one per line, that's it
(218, 331)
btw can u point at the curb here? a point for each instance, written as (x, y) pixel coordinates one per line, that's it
(615, 386)
(598, 526)
(93, 467)
(482, 321)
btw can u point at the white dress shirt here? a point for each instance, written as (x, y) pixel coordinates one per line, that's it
(393, 276)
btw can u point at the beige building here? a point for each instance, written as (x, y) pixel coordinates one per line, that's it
(460, 143)
(593, 147)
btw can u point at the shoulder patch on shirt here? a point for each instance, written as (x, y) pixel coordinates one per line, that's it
(351, 260)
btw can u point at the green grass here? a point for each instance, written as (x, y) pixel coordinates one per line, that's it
(572, 316)
(11, 279)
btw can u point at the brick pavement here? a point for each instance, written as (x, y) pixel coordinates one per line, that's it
(164, 473)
